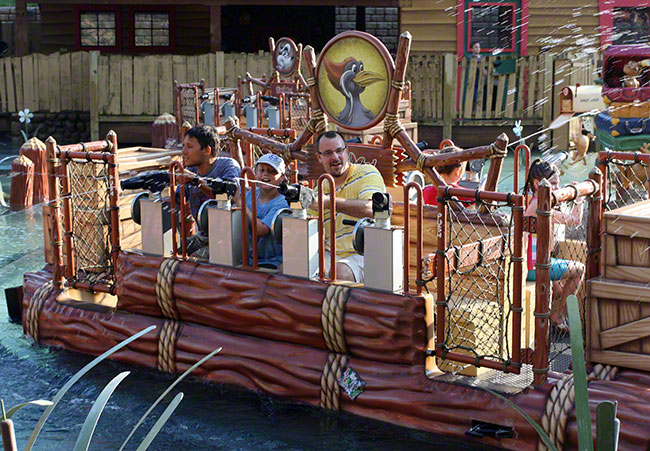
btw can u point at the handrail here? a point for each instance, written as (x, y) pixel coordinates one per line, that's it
(172, 188)
(248, 172)
(321, 228)
(407, 237)
(446, 143)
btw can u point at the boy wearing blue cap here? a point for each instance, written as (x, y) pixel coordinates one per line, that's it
(270, 170)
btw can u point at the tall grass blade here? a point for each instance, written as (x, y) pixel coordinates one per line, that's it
(74, 379)
(161, 422)
(38, 402)
(606, 426)
(540, 431)
(583, 415)
(88, 428)
(161, 397)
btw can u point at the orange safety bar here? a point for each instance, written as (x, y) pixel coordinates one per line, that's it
(407, 235)
(248, 174)
(446, 143)
(173, 167)
(321, 228)
(526, 149)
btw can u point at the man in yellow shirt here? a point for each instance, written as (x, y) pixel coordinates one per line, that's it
(355, 185)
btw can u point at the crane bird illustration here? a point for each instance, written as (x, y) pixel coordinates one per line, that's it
(350, 79)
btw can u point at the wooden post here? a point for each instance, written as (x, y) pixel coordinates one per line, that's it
(22, 183)
(111, 137)
(519, 205)
(94, 96)
(57, 243)
(449, 95)
(215, 27)
(21, 28)
(543, 283)
(594, 243)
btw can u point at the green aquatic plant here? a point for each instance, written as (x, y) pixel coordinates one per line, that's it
(85, 435)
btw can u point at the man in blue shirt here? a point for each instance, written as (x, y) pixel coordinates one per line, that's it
(270, 170)
(200, 150)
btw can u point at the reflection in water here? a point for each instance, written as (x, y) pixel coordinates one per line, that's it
(210, 416)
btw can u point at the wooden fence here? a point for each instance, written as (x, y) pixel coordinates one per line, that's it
(126, 85)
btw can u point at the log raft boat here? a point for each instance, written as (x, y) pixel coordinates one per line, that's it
(295, 337)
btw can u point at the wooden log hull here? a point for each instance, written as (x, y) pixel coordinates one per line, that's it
(377, 326)
(396, 393)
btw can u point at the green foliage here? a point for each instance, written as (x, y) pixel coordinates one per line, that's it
(583, 415)
(87, 430)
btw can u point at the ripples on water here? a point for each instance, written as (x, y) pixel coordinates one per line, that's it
(209, 417)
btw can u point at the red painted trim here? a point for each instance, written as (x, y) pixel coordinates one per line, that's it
(606, 16)
(460, 25)
(172, 29)
(523, 46)
(513, 32)
(78, 9)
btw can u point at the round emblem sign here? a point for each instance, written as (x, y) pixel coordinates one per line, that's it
(285, 57)
(354, 72)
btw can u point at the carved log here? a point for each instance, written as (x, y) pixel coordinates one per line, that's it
(22, 183)
(386, 328)
(400, 394)
(34, 149)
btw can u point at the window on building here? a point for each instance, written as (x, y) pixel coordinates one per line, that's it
(631, 25)
(492, 25)
(97, 29)
(152, 29)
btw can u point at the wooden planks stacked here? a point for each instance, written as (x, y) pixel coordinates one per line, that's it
(618, 303)
(424, 71)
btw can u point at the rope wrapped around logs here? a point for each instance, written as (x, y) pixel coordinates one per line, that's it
(165, 288)
(329, 381)
(167, 340)
(561, 400)
(31, 323)
(317, 123)
(333, 309)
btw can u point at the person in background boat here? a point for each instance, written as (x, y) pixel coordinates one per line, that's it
(354, 185)
(200, 150)
(269, 169)
(451, 174)
(566, 275)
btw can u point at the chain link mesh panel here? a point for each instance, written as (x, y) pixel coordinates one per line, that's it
(90, 186)
(188, 104)
(478, 288)
(627, 182)
(569, 252)
(298, 113)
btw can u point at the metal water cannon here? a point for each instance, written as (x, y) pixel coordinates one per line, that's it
(297, 232)
(207, 107)
(221, 223)
(228, 107)
(384, 255)
(150, 212)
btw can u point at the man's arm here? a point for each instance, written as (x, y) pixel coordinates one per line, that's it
(357, 208)
(262, 229)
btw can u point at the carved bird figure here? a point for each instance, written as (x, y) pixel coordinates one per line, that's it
(350, 79)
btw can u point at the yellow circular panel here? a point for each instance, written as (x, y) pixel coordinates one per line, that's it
(353, 80)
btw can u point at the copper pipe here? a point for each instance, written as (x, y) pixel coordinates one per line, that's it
(249, 154)
(446, 143)
(282, 100)
(294, 171)
(518, 207)
(248, 174)
(239, 96)
(526, 149)
(407, 235)
(95, 156)
(484, 195)
(594, 243)
(604, 169)
(377, 140)
(216, 108)
(183, 213)
(67, 220)
(441, 301)
(279, 132)
(57, 257)
(258, 105)
(321, 228)
(481, 362)
(543, 283)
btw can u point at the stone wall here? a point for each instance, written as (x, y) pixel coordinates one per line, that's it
(382, 22)
(67, 127)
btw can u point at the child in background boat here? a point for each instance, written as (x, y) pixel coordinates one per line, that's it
(566, 275)
(450, 173)
(269, 169)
